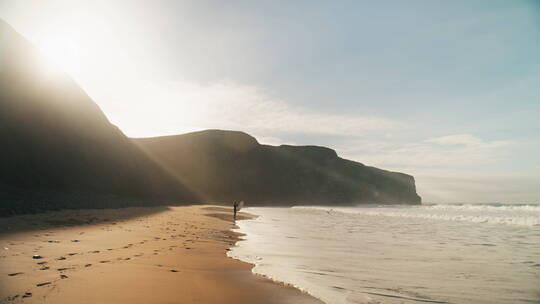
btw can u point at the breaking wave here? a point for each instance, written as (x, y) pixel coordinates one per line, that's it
(493, 213)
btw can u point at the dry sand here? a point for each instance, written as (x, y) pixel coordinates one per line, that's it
(131, 255)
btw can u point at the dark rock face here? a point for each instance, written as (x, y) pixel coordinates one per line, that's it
(58, 150)
(227, 165)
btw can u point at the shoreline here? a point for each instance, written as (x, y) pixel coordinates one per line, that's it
(131, 255)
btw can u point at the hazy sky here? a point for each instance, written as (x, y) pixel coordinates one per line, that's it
(448, 91)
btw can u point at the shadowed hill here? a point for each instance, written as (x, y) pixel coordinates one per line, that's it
(229, 165)
(57, 147)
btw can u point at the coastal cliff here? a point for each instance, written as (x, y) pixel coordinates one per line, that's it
(229, 165)
(58, 150)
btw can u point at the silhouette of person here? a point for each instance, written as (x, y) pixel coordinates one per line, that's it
(235, 207)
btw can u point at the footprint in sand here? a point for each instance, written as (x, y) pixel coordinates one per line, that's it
(64, 269)
(27, 295)
(173, 270)
(15, 274)
(104, 261)
(63, 276)
(12, 298)
(42, 263)
(72, 253)
(95, 251)
(43, 284)
(60, 258)
(44, 268)
(37, 257)
(87, 265)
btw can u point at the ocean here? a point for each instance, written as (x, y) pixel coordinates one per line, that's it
(439, 253)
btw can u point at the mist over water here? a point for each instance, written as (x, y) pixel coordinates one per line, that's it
(440, 253)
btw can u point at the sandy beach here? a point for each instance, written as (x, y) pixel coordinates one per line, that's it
(131, 255)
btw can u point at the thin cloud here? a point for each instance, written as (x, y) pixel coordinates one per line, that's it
(467, 140)
(445, 151)
(179, 107)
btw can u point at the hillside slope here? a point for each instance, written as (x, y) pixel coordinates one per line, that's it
(57, 146)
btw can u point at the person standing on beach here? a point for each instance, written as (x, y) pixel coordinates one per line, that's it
(235, 207)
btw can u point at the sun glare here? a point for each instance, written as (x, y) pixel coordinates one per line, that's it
(73, 43)
(60, 55)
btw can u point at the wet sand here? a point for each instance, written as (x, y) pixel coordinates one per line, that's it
(131, 255)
